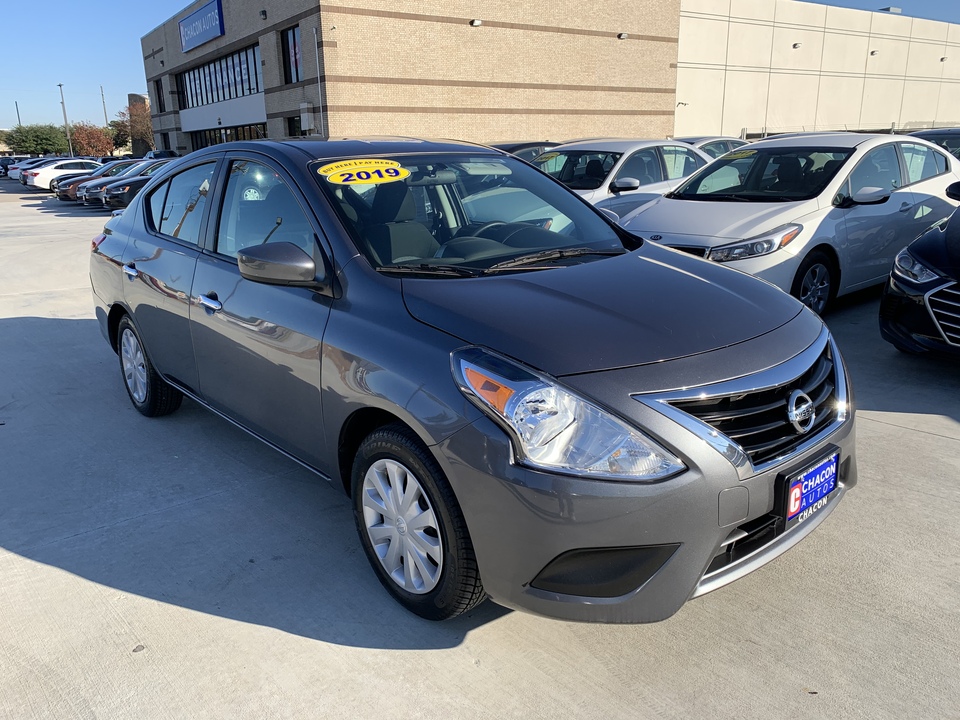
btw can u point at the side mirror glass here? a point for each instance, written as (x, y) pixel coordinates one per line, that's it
(280, 263)
(624, 184)
(953, 191)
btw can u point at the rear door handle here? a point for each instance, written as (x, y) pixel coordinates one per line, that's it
(906, 206)
(210, 303)
(130, 270)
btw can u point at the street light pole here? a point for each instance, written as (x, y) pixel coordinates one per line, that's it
(66, 123)
(17, 105)
(103, 99)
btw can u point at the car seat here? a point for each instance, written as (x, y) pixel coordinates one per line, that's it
(394, 235)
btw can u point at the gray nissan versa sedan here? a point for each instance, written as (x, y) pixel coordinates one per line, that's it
(523, 400)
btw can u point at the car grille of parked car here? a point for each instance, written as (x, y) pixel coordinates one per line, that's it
(757, 421)
(698, 251)
(945, 307)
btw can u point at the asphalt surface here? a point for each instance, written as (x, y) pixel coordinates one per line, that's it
(178, 568)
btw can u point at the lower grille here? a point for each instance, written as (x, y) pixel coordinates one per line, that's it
(758, 421)
(944, 305)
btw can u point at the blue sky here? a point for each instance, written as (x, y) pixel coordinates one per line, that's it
(39, 33)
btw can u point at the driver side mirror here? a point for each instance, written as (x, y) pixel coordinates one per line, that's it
(865, 196)
(279, 263)
(625, 184)
(953, 191)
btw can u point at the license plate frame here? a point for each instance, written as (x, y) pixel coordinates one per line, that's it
(805, 494)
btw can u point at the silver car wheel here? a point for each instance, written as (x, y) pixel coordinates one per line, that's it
(134, 368)
(402, 527)
(815, 287)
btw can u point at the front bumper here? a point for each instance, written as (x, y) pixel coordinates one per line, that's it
(536, 533)
(93, 197)
(906, 322)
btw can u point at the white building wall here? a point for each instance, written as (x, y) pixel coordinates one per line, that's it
(760, 66)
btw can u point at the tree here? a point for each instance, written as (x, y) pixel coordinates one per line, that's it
(89, 139)
(120, 130)
(37, 139)
(137, 118)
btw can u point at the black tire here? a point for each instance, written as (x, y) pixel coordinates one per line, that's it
(149, 393)
(458, 587)
(815, 284)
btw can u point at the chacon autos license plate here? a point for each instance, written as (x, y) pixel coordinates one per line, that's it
(810, 491)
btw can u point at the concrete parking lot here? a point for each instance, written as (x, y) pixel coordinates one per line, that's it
(178, 568)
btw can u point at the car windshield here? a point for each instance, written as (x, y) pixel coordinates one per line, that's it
(578, 169)
(771, 174)
(461, 215)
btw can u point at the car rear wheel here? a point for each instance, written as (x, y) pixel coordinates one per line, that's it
(148, 392)
(815, 284)
(411, 526)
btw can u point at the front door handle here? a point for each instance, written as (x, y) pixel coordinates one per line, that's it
(210, 303)
(130, 270)
(906, 206)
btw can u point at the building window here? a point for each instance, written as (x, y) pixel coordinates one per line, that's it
(292, 64)
(161, 101)
(293, 127)
(206, 138)
(234, 76)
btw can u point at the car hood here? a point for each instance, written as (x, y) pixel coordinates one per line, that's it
(709, 221)
(140, 180)
(939, 247)
(647, 306)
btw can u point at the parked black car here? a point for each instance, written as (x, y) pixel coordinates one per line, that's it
(67, 189)
(118, 194)
(920, 308)
(947, 138)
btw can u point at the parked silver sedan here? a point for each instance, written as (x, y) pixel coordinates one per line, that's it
(619, 175)
(818, 216)
(713, 145)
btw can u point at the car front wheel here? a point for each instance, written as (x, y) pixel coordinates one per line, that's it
(815, 284)
(149, 393)
(411, 526)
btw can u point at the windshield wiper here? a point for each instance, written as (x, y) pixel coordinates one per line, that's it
(731, 197)
(557, 254)
(425, 269)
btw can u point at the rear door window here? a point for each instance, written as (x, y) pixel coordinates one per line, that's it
(921, 162)
(176, 207)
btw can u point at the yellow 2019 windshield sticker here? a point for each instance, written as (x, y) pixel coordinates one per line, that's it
(546, 156)
(363, 171)
(739, 154)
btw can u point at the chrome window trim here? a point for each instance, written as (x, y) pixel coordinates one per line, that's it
(926, 301)
(768, 379)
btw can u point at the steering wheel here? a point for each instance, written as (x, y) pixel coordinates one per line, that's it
(486, 226)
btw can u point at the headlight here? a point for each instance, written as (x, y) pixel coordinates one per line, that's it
(119, 190)
(907, 266)
(553, 429)
(755, 246)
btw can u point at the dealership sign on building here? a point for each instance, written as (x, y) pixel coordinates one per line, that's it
(201, 26)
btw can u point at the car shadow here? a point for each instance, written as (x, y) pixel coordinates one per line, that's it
(186, 509)
(884, 378)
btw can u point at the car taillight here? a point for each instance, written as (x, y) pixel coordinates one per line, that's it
(31, 173)
(96, 242)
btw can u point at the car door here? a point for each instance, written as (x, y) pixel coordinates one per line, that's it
(159, 263)
(871, 232)
(928, 173)
(643, 166)
(258, 345)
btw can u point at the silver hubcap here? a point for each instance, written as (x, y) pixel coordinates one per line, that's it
(815, 288)
(134, 368)
(402, 526)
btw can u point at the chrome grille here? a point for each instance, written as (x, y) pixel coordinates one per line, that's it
(944, 306)
(757, 421)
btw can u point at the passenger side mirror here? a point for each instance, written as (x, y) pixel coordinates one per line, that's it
(953, 191)
(280, 263)
(625, 184)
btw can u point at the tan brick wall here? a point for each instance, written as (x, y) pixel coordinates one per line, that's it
(562, 74)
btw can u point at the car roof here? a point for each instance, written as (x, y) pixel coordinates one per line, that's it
(706, 138)
(620, 145)
(296, 148)
(937, 131)
(833, 140)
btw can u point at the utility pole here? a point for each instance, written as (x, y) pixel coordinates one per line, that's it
(17, 105)
(66, 123)
(106, 122)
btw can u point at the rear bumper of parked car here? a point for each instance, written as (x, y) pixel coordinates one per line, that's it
(620, 552)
